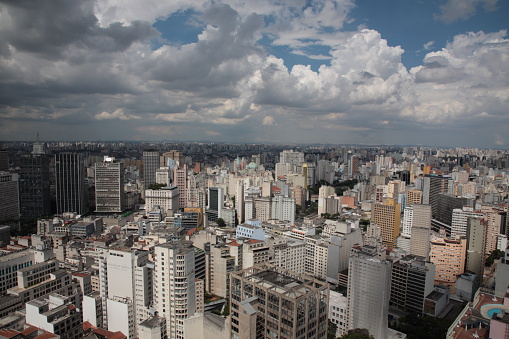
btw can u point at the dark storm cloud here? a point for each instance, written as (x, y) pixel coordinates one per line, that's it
(47, 27)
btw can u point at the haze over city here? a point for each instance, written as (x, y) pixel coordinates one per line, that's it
(390, 72)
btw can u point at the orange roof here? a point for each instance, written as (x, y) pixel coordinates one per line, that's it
(233, 243)
(253, 241)
(191, 231)
(81, 275)
(46, 335)
(102, 332)
(29, 330)
(8, 333)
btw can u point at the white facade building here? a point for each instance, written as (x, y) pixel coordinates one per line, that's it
(167, 198)
(175, 295)
(369, 289)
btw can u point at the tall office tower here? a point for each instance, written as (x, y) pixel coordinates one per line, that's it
(271, 302)
(176, 156)
(221, 264)
(174, 285)
(309, 174)
(34, 186)
(180, 179)
(290, 254)
(338, 252)
(323, 193)
(239, 201)
(150, 165)
(446, 203)
(283, 208)
(325, 170)
(476, 245)
(387, 216)
(4, 160)
(291, 157)
(369, 289)
(413, 197)
(353, 166)
(421, 229)
(282, 169)
(299, 193)
(109, 186)
(164, 175)
(71, 190)
(167, 198)
(433, 185)
(412, 280)
(9, 199)
(127, 290)
(448, 255)
(216, 203)
(460, 220)
(406, 223)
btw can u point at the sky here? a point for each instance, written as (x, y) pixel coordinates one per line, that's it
(429, 72)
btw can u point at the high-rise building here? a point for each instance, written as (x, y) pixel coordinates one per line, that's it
(413, 197)
(476, 251)
(109, 186)
(180, 179)
(150, 166)
(34, 186)
(71, 190)
(9, 199)
(174, 285)
(420, 230)
(448, 255)
(446, 203)
(387, 216)
(127, 290)
(433, 185)
(167, 198)
(412, 280)
(369, 289)
(291, 157)
(271, 302)
(216, 202)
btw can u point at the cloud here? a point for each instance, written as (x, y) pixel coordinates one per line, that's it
(227, 84)
(269, 121)
(117, 114)
(428, 45)
(455, 10)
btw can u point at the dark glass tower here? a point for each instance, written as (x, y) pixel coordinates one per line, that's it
(34, 186)
(71, 190)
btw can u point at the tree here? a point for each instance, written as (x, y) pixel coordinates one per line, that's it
(220, 222)
(358, 333)
(156, 186)
(494, 255)
(331, 330)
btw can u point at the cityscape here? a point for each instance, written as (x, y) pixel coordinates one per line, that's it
(232, 169)
(193, 240)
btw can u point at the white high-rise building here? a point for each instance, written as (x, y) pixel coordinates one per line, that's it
(174, 285)
(291, 157)
(421, 228)
(460, 219)
(167, 198)
(283, 208)
(369, 289)
(128, 289)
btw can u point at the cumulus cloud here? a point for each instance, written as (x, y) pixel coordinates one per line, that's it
(117, 114)
(226, 84)
(454, 10)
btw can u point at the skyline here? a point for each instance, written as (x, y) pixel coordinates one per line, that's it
(303, 72)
